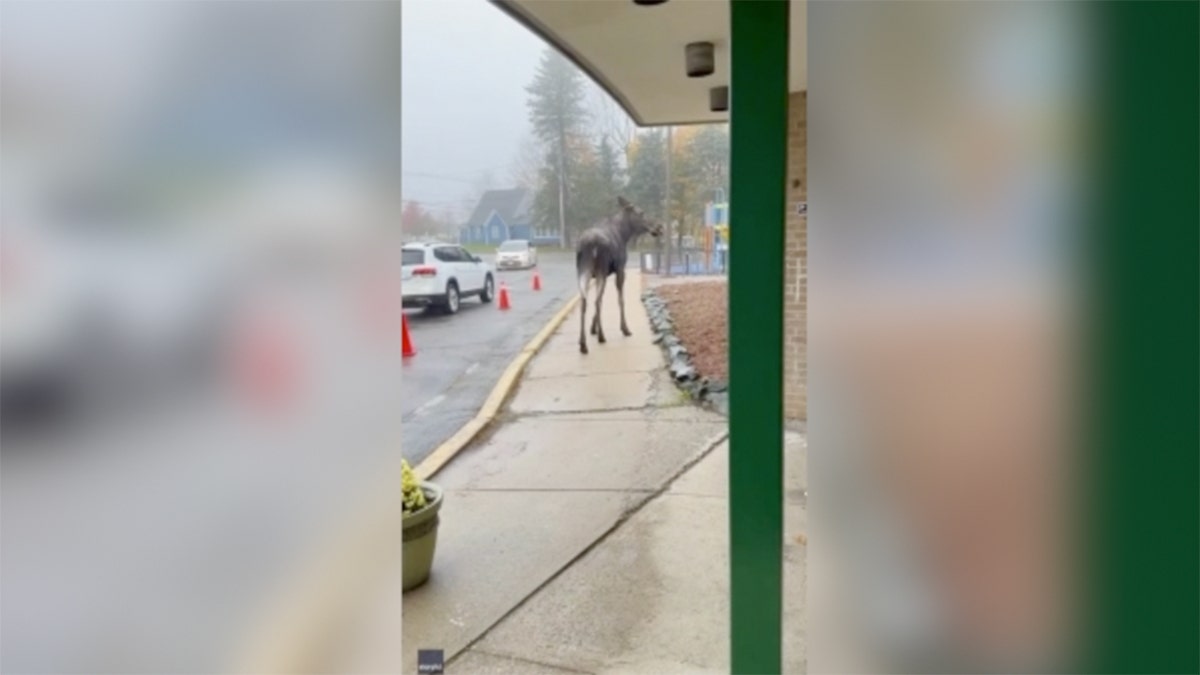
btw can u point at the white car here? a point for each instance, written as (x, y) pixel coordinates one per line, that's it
(440, 275)
(516, 254)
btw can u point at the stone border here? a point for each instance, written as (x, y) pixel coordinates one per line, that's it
(713, 394)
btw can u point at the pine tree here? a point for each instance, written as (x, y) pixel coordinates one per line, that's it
(647, 186)
(600, 184)
(558, 117)
(609, 165)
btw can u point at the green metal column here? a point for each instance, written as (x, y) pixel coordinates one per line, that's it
(758, 174)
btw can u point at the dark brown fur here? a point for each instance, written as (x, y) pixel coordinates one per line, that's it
(603, 250)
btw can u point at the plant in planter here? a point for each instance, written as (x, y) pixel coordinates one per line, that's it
(422, 501)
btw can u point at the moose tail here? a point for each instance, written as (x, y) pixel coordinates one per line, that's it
(586, 254)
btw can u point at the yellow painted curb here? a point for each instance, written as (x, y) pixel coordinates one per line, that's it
(296, 633)
(491, 407)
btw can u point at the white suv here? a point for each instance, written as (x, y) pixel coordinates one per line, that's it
(440, 275)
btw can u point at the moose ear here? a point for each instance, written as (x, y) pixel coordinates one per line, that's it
(624, 203)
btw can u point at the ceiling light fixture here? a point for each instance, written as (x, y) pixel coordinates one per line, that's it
(699, 56)
(648, 3)
(718, 99)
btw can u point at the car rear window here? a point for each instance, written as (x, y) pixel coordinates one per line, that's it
(412, 256)
(514, 246)
(451, 254)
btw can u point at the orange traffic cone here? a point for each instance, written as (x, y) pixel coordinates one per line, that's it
(504, 304)
(537, 280)
(406, 341)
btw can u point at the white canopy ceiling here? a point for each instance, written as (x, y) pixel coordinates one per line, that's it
(637, 52)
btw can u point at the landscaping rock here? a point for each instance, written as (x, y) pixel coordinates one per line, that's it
(682, 371)
(719, 402)
(682, 363)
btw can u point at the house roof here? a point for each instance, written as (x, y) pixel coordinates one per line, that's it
(636, 53)
(511, 205)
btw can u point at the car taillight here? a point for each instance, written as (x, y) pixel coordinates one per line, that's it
(425, 272)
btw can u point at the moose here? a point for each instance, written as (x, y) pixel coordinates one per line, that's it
(601, 251)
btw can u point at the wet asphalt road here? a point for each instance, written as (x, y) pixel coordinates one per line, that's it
(150, 537)
(460, 358)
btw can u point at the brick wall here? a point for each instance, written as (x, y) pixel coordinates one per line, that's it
(795, 298)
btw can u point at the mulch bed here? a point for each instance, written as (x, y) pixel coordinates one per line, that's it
(699, 314)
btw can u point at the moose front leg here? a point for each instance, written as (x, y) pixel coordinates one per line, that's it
(621, 301)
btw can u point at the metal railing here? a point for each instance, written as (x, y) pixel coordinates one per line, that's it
(686, 261)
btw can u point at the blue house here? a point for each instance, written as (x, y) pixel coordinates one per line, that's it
(505, 214)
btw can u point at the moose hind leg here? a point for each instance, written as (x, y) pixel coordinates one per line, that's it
(599, 300)
(583, 348)
(621, 302)
(595, 330)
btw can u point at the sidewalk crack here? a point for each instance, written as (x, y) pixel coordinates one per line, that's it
(581, 489)
(632, 510)
(522, 659)
(696, 495)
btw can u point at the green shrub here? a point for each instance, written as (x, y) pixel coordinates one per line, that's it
(414, 496)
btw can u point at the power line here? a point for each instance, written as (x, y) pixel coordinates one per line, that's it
(451, 177)
(432, 204)
(436, 176)
(436, 201)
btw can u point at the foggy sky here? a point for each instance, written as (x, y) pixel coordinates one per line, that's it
(465, 67)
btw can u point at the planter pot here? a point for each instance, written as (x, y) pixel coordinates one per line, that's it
(420, 538)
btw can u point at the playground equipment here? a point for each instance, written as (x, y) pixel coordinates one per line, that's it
(716, 233)
(706, 254)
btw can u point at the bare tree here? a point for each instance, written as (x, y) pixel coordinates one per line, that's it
(528, 163)
(485, 180)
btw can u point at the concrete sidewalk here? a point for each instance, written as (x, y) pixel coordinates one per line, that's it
(588, 531)
(652, 597)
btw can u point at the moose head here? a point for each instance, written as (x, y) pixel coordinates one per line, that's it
(636, 222)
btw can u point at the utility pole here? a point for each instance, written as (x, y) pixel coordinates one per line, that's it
(667, 199)
(562, 190)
